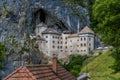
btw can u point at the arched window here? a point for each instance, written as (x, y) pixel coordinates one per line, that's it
(84, 44)
(53, 46)
(89, 39)
(81, 39)
(81, 44)
(53, 41)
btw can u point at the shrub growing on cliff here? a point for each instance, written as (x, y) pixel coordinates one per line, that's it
(2, 54)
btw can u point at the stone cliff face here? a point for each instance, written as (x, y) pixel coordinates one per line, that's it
(54, 9)
(18, 19)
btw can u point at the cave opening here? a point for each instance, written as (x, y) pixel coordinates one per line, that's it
(40, 15)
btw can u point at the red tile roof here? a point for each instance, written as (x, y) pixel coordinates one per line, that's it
(21, 73)
(40, 72)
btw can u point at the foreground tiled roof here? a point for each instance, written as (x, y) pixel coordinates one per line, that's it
(40, 72)
(86, 30)
(63, 74)
(50, 31)
(43, 72)
(21, 73)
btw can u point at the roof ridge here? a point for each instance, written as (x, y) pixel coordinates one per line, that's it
(32, 71)
(38, 65)
(86, 29)
(13, 73)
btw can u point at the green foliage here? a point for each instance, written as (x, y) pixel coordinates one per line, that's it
(100, 53)
(91, 53)
(100, 68)
(75, 64)
(116, 55)
(2, 54)
(107, 16)
(112, 78)
(6, 11)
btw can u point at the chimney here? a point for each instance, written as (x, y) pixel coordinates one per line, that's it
(54, 64)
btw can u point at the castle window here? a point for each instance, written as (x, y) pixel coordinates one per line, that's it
(58, 47)
(89, 49)
(46, 41)
(84, 39)
(61, 50)
(77, 50)
(84, 44)
(58, 42)
(81, 50)
(81, 39)
(78, 40)
(61, 37)
(81, 44)
(61, 47)
(70, 51)
(66, 47)
(53, 46)
(89, 44)
(53, 41)
(77, 45)
(84, 50)
(53, 37)
(89, 39)
(65, 37)
(65, 42)
(56, 37)
(46, 36)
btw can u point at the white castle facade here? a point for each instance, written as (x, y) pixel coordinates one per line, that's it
(53, 42)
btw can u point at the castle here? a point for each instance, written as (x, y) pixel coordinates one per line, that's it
(52, 42)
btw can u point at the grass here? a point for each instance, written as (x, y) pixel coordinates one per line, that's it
(100, 68)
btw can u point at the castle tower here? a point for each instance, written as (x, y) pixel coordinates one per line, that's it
(40, 28)
(86, 36)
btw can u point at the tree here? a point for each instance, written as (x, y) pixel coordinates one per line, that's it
(2, 54)
(75, 64)
(107, 15)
